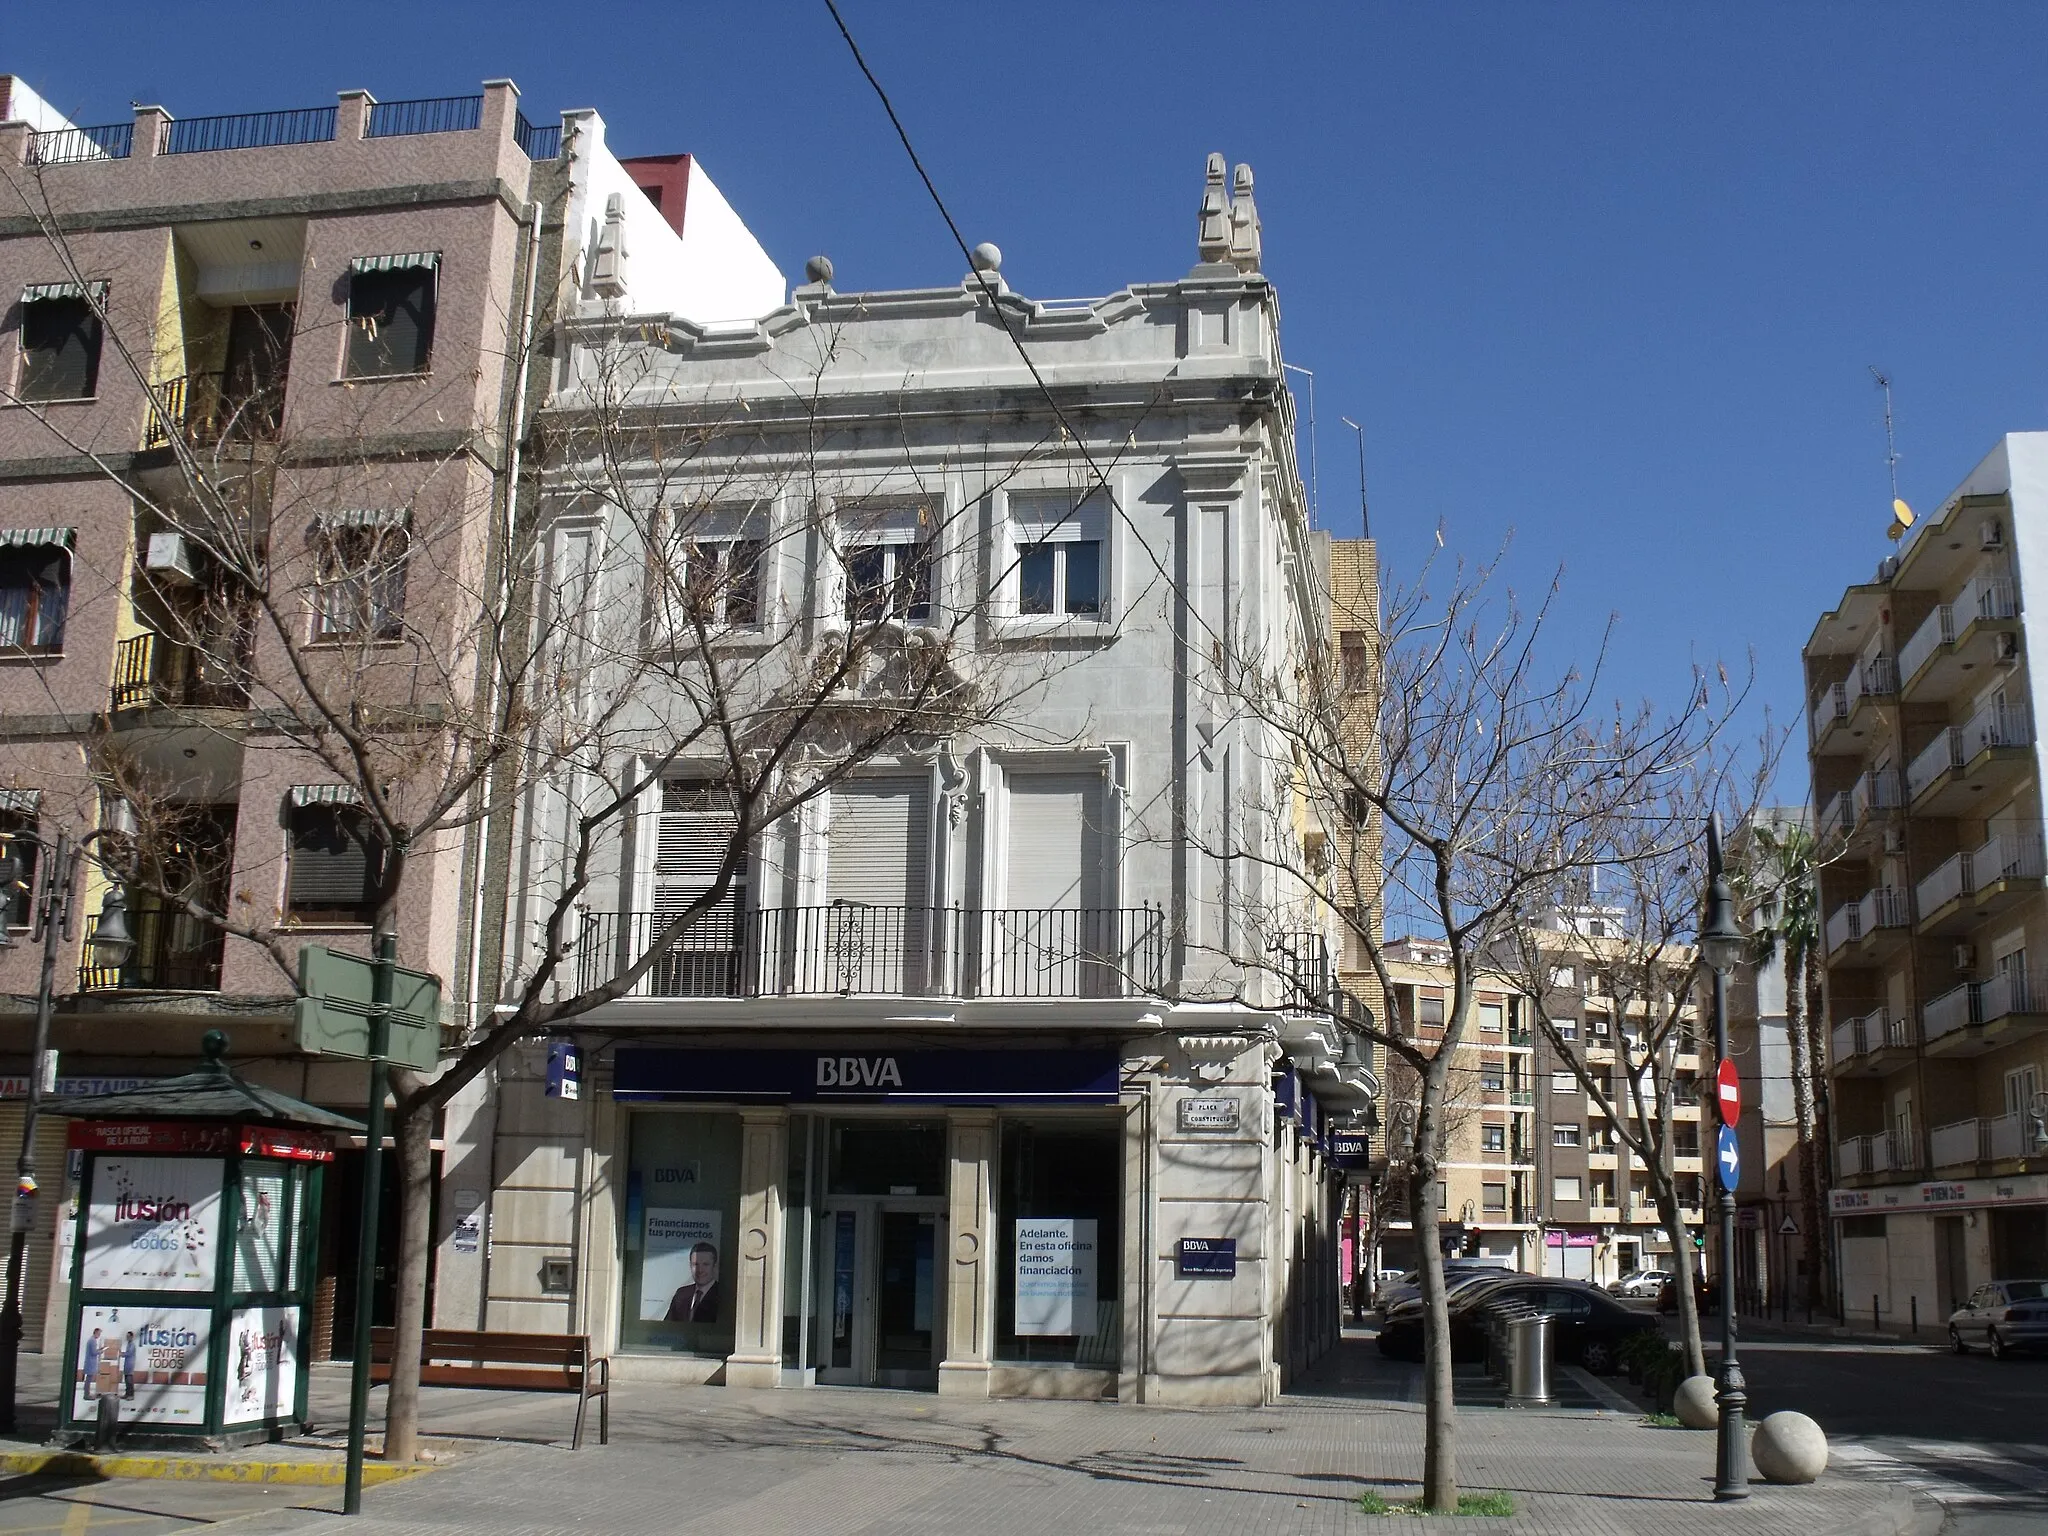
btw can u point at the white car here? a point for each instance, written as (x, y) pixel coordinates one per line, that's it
(1640, 1283)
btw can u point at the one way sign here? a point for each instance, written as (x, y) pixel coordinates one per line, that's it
(1728, 1156)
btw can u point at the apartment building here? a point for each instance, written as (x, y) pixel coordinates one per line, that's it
(1600, 1217)
(1487, 1200)
(996, 996)
(1926, 779)
(320, 315)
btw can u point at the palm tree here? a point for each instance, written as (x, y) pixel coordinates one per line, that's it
(1779, 882)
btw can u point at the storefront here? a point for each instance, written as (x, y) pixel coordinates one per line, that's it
(1918, 1250)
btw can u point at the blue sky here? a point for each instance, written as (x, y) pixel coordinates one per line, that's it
(1608, 275)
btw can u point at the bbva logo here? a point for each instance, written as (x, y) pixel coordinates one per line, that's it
(858, 1072)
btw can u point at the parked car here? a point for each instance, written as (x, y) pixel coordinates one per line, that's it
(1456, 1271)
(1706, 1295)
(2007, 1317)
(1640, 1283)
(1588, 1326)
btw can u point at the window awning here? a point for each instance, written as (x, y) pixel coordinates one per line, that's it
(28, 538)
(21, 802)
(326, 794)
(38, 291)
(360, 517)
(428, 259)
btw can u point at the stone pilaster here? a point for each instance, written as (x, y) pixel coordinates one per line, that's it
(754, 1267)
(970, 1268)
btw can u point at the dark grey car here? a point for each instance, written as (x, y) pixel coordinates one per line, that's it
(2005, 1316)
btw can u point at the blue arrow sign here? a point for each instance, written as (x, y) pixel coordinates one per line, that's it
(1729, 1156)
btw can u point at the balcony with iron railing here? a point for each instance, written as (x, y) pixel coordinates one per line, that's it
(1954, 891)
(1950, 770)
(1955, 637)
(1880, 912)
(1873, 677)
(849, 949)
(151, 672)
(1879, 1153)
(1981, 1140)
(1829, 708)
(173, 953)
(1980, 1016)
(200, 409)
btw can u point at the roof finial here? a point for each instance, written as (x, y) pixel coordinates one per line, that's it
(1213, 242)
(1244, 223)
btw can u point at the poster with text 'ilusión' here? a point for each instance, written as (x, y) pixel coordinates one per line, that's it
(262, 1365)
(1055, 1275)
(153, 1224)
(679, 1267)
(152, 1359)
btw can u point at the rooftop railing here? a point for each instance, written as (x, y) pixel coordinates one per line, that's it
(75, 146)
(246, 130)
(540, 143)
(433, 114)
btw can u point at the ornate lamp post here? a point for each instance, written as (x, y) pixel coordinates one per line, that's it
(59, 882)
(1720, 944)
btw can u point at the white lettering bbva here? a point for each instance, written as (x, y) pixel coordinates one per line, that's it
(858, 1072)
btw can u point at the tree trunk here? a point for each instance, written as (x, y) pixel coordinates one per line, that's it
(1799, 1039)
(415, 1137)
(1814, 1175)
(1440, 1408)
(1682, 1265)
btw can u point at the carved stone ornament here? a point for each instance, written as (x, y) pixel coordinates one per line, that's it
(1209, 1056)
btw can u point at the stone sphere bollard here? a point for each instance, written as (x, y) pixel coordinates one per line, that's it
(1789, 1448)
(1694, 1403)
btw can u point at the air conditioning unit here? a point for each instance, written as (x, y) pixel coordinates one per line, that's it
(1894, 839)
(2008, 650)
(1991, 535)
(172, 558)
(1965, 956)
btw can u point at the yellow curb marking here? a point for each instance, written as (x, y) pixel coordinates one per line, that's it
(195, 1469)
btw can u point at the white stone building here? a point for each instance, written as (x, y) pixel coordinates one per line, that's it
(986, 1079)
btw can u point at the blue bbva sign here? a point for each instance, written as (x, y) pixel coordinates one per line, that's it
(668, 1074)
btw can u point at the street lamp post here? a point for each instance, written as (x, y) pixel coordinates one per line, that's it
(57, 885)
(1720, 944)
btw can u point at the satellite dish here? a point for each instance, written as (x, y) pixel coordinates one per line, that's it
(1902, 519)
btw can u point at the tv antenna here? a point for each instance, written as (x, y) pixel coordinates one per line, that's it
(1902, 515)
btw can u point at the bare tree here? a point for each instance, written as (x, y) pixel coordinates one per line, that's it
(1495, 779)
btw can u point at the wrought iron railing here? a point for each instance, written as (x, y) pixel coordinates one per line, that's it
(246, 130)
(151, 672)
(849, 949)
(199, 408)
(540, 143)
(173, 953)
(77, 146)
(434, 114)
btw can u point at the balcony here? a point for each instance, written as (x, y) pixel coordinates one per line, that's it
(849, 950)
(1959, 638)
(1981, 1016)
(1883, 1153)
(1980, 882)
(200, 410)
(1862, 1047)
(173, 953)
(1830, 708)
(1864, 931)
(1983, 1140)
(1966, 766)
(151, 672)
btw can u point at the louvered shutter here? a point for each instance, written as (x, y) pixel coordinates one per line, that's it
(696, 831)
(1053, 938)
(391, 321)
(336, 863)
(51, 1131)
(60, 339)
(875, 938)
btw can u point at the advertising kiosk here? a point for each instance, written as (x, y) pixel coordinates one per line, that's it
(192, 1270)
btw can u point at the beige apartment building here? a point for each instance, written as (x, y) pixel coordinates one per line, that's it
(1926, 780)
(320, 314)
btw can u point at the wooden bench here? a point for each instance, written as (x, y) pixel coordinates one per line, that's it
(517, 1362)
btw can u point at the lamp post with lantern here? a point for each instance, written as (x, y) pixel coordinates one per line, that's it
(1720, 946)
(56, 883)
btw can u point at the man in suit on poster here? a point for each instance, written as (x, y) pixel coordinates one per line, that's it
(698, 1301)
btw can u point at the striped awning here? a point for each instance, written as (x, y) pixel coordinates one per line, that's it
(360, 517)
(398, 263)
(326, 794)
(27, 538)
(36, 291)
(21, 802)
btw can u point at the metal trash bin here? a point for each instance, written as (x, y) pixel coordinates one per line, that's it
(1528, 1355)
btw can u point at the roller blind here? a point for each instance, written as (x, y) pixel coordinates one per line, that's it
(697, 827)
(1056, 841)
(878, 852)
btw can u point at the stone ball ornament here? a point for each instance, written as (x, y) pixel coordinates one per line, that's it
(1789, 1447)
(988, 257)
(818, 269)
(1694, 1403)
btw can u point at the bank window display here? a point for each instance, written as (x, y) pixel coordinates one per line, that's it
(682, 1211)
(1058, 1223)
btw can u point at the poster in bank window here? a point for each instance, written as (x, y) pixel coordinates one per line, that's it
(1055, 1263)
(153, 1224)
(680, 1262)
(262, 1364)
(153, 1359)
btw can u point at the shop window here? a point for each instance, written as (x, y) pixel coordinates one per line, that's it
(682, 1215)
(887, 1157)
(60, 345)
(1058, 1217)
(337, 864)
(35, 589)
(391, 305)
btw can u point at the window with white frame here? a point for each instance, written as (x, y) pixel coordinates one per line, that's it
(1563, 976)
(35, 587)
(1564, 1135)
(711, 573)
(1060, 557)
(1562, 1081)
(886, 555)
(1490, 1015)
(1565, 1186)
(1493, 1138)
(1567, 1029)
(361, 560)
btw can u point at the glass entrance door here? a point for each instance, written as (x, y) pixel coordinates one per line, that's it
(879, 1305)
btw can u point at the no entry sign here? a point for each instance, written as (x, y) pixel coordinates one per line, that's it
(1728, 1089)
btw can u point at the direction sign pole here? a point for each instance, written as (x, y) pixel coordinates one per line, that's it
(1731, 1469)
(366, 1237)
